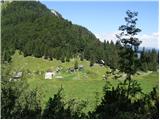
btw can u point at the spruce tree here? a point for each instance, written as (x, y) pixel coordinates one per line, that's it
(130, 43)
(104, 45)
(143, 62)
(92, 61)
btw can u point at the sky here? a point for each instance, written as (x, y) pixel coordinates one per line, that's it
(104, 17)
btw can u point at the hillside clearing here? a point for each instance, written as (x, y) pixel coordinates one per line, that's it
(82, 85)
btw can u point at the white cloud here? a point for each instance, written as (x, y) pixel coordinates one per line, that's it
(107, 36)
(148, 40)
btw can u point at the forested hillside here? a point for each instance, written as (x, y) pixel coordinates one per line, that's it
(32, 28)
(35, 30)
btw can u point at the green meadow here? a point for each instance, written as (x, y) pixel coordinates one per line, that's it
(80, 85)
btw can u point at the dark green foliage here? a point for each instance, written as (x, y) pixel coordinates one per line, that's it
(28, 106)
(104, 45)
(77, 108)
(111, 54)
(10, 92)
(8, 100)
(149, 60)
(82, 56)
(92, 61)
(76, 65)
(154, 104)
(35, 30)
(68, 58)
(116, 103)
(12, 104)
(130, 43)
(62, 59)
(56, 108)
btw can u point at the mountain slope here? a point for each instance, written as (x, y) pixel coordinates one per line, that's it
(32, 28)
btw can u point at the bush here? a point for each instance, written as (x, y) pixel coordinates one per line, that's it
(121, 102)
(76, 65)
(16, 104)
(56, 108)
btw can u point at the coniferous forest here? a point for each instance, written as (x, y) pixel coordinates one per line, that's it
(32, 29)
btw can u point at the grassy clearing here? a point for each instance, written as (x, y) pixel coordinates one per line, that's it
(83, 85)
(32, 64)
(148, 81)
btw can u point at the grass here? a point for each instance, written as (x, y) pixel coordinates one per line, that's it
(83, 85)
(77, 89)
(148, 81)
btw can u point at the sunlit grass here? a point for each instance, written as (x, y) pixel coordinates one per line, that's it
(81, 85)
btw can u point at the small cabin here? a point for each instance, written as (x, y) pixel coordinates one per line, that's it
(49, 74)
(17, 75)
(102, 62)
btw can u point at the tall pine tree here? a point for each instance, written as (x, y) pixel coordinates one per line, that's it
(130, 44)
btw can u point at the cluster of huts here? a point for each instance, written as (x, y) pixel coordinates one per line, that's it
(50, 74)
(72, 69)
(16, 76)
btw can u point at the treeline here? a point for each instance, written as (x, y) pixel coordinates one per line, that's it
(117, 102)
(149, 60)
(35, 30)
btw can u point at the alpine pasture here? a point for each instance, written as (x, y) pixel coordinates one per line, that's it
(86, 84)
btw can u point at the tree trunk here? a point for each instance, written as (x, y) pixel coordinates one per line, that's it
(129, 80)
